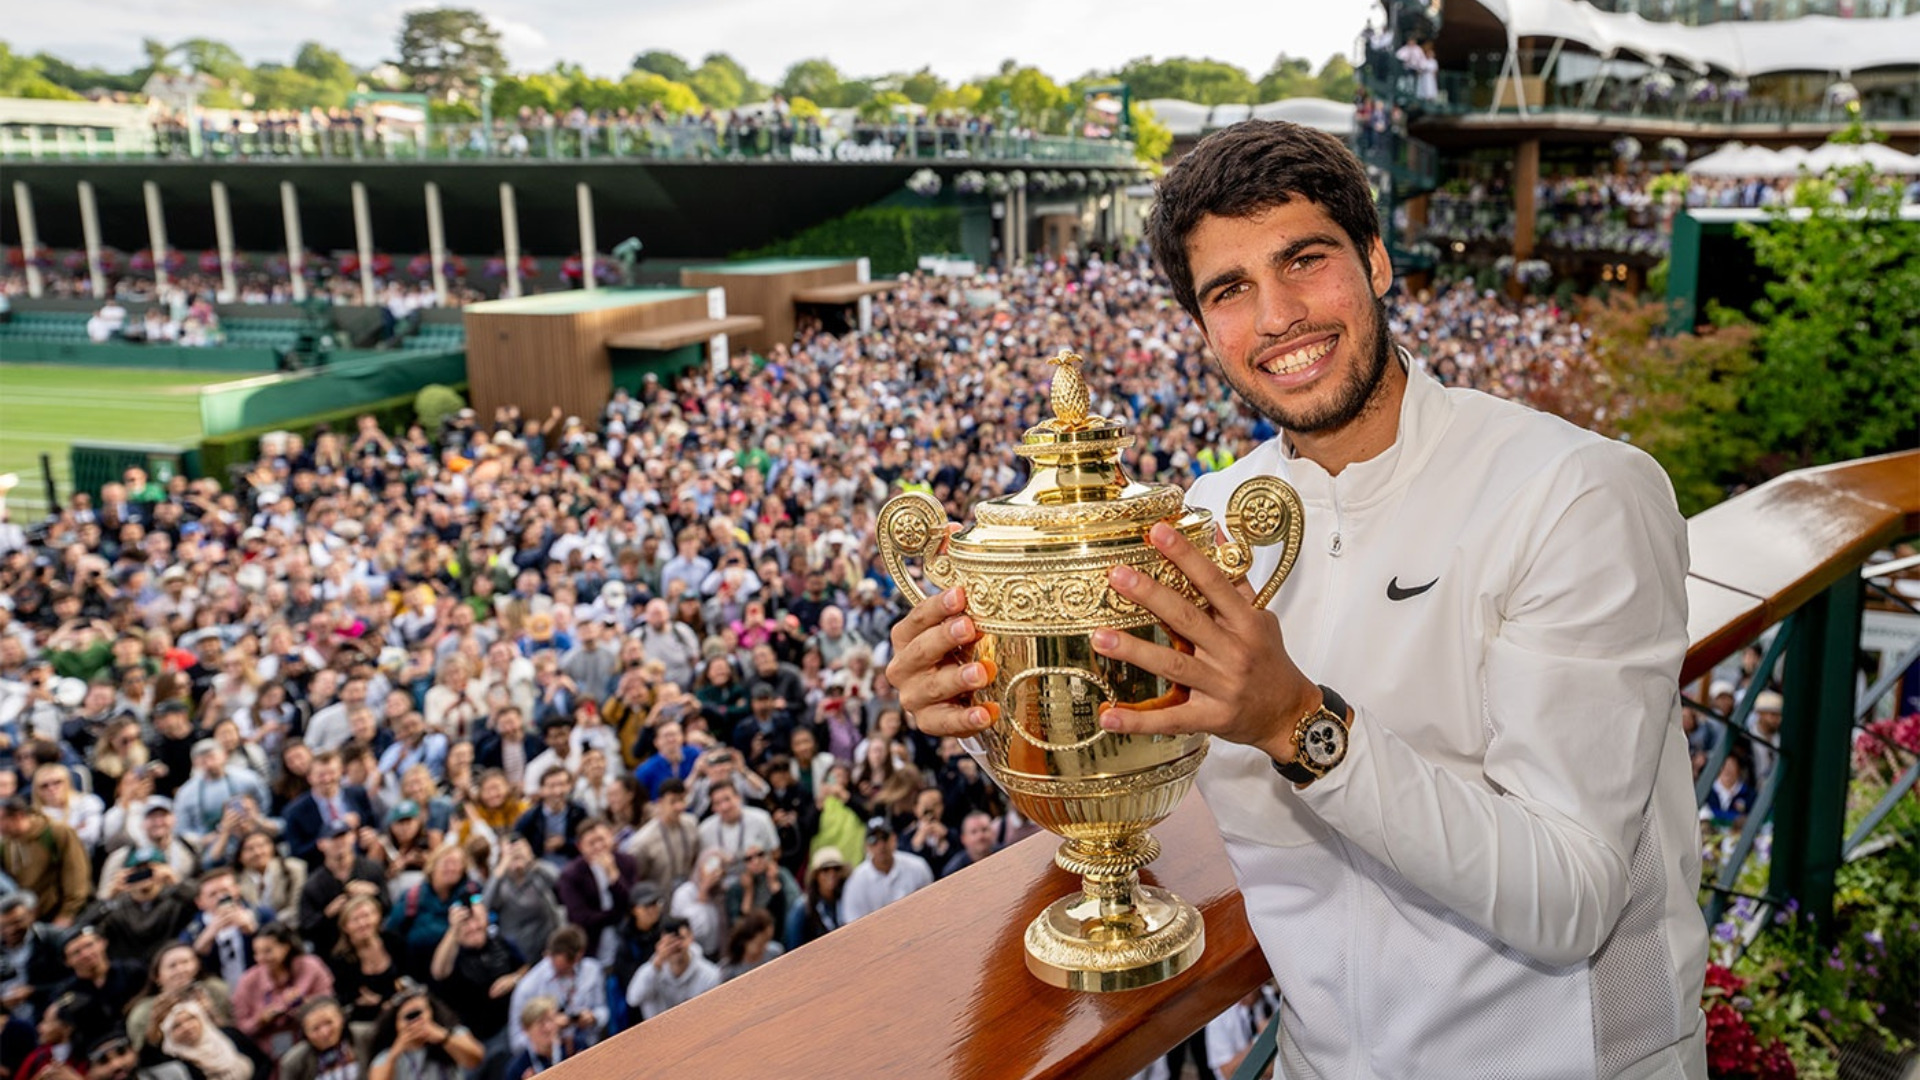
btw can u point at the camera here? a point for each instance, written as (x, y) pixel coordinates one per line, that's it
(139, 874)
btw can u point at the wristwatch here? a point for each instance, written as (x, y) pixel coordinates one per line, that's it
(1319, 741)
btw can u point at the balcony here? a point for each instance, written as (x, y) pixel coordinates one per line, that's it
(936, 986)
(284, 141)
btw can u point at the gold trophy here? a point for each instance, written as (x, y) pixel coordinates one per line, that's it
(1034, 565)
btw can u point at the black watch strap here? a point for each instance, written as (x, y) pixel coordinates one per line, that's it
(1296, 771)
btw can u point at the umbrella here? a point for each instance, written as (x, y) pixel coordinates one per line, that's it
(1880, 158)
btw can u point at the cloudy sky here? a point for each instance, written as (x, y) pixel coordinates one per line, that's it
(959, 40)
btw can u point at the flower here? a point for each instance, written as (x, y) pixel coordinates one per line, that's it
(924, 183)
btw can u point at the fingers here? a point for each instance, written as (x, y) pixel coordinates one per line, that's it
(956, 718)
(1202, 571)
(1179, 720)
(1183, 669)
(924, 616)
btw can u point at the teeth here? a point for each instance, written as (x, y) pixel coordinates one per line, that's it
(1288, 363)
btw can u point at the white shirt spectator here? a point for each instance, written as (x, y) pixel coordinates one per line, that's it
(869, 888)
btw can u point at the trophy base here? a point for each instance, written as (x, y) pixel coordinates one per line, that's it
(1070, 946)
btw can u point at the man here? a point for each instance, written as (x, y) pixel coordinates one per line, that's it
(888, 874)
(1506, 795)
(31, 958)
(930, 837)
(734, 827)
(765, 731)
(671, 643)
(509, 746)
(222, 934)
(157, 836)
(552, 825)
(593, 660)
(789, 688)
(326, 801)
(572, 978)
(214, 786)
(672, 758)
(666, 847)
(678, 972)
(1765, 727)
(106, 986)
(717, 768)
(976, 842)
(45, 858)
(594, 888)
(343, 874)
(329, 727)
(474, 970)
(413, 745)
(557, 732)
(548, 1040)
(147, 909)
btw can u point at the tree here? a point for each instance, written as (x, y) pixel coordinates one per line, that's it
(1151, 138)
(1289, 77)
(20, 76)
(646, 88)
(818, 80)
(963, 99)
(1208, 82)
(718, 85)
(751, 89)
(663, 63)
(1676, 396)
(922, 87)
(1840, 323)
(66, 75)
(449, 49)
(1337, 80)
(323, 65)
(879, 107)
(214, 58)
(516, 92)
(1037, 101)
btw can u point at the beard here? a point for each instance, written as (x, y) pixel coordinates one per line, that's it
(1358, 392)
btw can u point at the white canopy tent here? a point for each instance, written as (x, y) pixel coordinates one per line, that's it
(1810, 43)
(1735, 159)
(1881, 158)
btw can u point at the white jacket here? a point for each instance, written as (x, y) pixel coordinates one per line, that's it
(1501, 878)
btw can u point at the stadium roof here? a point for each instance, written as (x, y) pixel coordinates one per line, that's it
(1810, 43)
(1190, 118)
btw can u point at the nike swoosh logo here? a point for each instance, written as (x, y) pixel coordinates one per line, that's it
(1395, 592)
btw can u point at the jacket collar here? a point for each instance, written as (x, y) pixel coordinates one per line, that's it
(1425, 412)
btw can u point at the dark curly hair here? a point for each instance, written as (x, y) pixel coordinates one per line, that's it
(1241, 170)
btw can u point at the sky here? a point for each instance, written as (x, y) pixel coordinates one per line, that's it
(959, 41)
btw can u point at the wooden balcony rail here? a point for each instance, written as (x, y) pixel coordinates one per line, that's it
(936, 985)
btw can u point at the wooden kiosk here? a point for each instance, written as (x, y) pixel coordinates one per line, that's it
(572, 348)
(774, 289)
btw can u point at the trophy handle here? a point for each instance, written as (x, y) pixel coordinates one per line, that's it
(913, 525)
(1263, 511)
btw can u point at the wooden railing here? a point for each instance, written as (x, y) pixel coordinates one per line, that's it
(936, 986)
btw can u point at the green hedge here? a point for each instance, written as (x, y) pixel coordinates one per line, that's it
(893, 237)
(218, 455)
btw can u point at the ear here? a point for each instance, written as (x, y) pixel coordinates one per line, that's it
(1380, 267)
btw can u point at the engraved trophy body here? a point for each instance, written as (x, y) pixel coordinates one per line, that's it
(1034, 566)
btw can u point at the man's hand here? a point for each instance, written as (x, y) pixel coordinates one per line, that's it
(504, 985)
(931, 670)
(1242, 684)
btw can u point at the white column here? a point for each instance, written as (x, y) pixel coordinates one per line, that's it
(863, 272)
(296, 246)
(1006, 230)
(29, 236)
(90, 230)
(717, 350)
(157, 234)
(363, 240)
(436, 243)
(587, 245)
(223, 239)
(510, 237)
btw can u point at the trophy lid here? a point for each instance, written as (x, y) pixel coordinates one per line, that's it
(1079, 490)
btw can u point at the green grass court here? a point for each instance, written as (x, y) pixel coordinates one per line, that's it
(43, 409)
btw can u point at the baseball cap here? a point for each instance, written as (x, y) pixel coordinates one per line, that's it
(404, 809)
(825, 857)
(878, 825)
(336, 829)
(644, 894)
(1768, 701)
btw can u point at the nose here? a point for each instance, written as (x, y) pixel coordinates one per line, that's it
(1280, 309)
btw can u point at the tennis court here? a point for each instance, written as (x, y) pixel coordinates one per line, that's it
(45, 408)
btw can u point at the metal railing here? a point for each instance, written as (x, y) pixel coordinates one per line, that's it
(1480, 88)
(301, 140)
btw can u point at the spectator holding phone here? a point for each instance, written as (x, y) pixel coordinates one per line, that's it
(419, 1038)
(572, 978)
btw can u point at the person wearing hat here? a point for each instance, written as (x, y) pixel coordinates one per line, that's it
(888, 874)
(639, 931)
(148, 909)
(214, 786)
(1765, 726)
(339, 874)
(819, 912)
(474, 970)
(46, 859)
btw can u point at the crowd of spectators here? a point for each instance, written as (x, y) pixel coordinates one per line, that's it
(421, 751)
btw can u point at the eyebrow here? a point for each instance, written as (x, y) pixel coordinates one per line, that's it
(1281, 258)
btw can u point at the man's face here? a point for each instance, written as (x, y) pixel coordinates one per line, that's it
(160, 826)
(324, 775)
(595, 843)
(669, 739)
(87, 956)
(726, 804)
(764, 660)
(1291, 313)
(14, 925)
(213, 892)
(672, 806)
(557, 736)
(213, 760)
(555, 786)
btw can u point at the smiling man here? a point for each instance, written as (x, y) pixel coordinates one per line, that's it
(1477, 856)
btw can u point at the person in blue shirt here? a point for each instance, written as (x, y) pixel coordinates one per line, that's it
(1730, 799)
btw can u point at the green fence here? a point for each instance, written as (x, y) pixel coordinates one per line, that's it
(151, 357)
(96, 464)
(342, 385)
